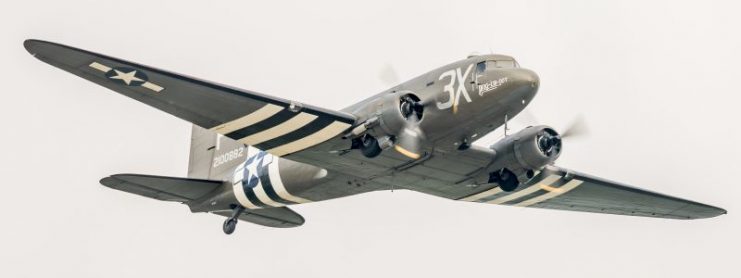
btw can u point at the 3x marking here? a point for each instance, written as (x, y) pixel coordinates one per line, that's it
(455, 93)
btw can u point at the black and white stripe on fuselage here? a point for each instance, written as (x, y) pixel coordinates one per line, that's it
(280, 131)
(549, 187)
(257, 183)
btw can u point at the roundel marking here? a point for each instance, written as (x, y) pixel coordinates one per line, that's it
(251, 177)
(127, 76)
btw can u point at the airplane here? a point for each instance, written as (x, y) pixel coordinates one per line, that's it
(253, 155)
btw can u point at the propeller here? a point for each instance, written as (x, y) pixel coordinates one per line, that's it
(549, 142)
(408, 141)
(410, 137)
(576, 128)
(389, 76)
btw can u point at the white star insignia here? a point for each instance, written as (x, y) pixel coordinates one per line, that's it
(126, 77)
(252, 169)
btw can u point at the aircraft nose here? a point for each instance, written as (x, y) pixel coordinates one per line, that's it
(528, 83)
(528, 77)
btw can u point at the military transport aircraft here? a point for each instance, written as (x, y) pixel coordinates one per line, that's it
(252, 155)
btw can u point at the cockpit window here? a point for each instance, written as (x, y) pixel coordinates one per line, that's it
(492, 64)
(480, 68)
(506, 64)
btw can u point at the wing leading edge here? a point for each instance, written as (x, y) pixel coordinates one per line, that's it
(563, 189)
(280, 127)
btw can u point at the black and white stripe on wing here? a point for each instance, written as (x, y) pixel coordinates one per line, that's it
(280, 131)
(547, 188)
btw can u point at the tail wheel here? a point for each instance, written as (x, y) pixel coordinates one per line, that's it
(230, 225)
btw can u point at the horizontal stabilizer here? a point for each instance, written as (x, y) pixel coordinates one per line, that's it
(185, 190)
(161, 188)
(281, 217)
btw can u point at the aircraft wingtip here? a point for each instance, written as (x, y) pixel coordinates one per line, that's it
(714, 212)
(31, 45)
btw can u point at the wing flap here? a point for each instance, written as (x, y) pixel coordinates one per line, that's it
(563, 189)
(276, 125)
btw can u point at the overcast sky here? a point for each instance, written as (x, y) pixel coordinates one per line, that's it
(655, 80)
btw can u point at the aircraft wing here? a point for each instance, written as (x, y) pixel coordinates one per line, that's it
(186, 190)
(280, 127)
(563, 189)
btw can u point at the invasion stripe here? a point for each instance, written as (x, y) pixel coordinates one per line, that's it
(312, 127)
(267, 185)
(258, 189)
(278, 185)
(554, 192)
(242, 196)
(259, 115)
(264, 182)
(482, 195)
(535, 194)
(275, 119)
(293, 124)
(547, 181)
(325, 134)
(263, 197)
(253, 197)
(491, 193)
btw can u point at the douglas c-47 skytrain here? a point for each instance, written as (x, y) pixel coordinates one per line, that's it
(254, 155)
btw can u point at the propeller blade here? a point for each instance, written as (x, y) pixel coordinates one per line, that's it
(389, 76)
(576, 128)
(425, 102)
(410, 139)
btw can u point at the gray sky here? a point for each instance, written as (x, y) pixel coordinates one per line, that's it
(655, 80)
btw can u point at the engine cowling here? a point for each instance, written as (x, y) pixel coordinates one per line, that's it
(395, 123)
(526, 151)
(396, 109)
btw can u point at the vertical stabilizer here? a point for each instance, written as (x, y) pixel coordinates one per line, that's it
(213, 156)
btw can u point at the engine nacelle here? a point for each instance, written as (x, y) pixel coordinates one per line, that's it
(526, 151)
(394, 112)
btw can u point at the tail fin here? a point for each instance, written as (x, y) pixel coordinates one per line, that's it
(213, 156)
